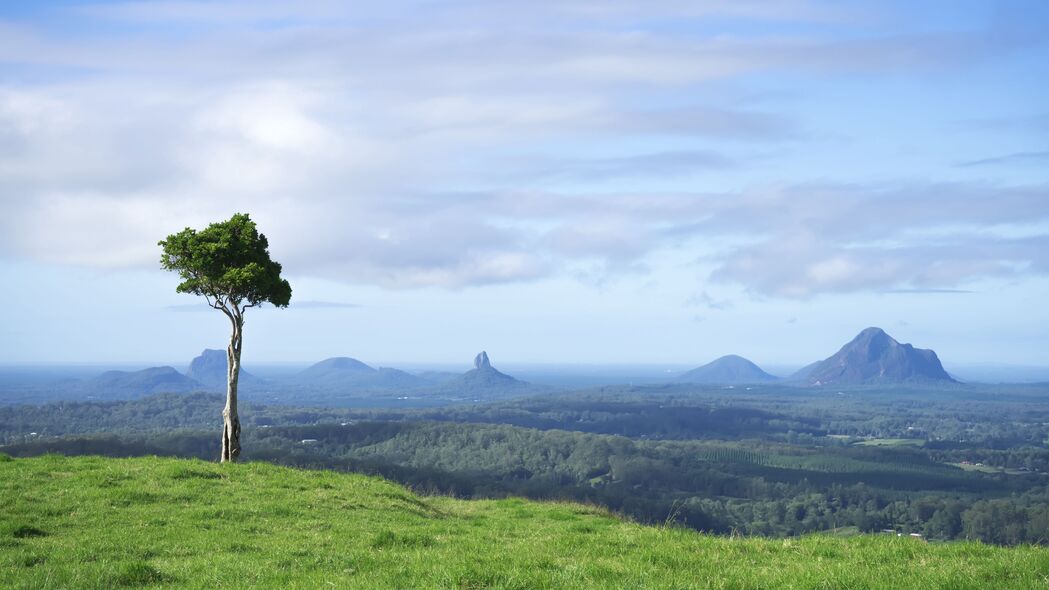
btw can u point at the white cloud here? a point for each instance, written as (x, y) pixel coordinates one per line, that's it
(383, 149)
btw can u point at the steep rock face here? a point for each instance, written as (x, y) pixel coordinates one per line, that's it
(210, 369)
(874, 357)
(484, 377)
(727, 370)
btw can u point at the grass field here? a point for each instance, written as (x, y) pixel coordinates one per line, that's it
(980, 468)
(892, 442)
(92, 522)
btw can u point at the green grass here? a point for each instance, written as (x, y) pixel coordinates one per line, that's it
(988, 469)
(91, 522)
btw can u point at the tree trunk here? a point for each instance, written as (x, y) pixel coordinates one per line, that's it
(230, 418)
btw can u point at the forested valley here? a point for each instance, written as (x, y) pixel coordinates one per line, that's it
(962, 462)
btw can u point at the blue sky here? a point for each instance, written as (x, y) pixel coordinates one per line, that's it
(571, 182)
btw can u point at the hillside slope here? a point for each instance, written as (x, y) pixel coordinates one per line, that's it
(728, 370)
(351, 374)
(124, 384)
(150, 522)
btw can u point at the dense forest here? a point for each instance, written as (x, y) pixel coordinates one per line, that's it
(943, 464)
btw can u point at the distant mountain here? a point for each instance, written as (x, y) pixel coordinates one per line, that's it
(804, 372)
(350, 373)
(727, 370)
(335, 370)
(390, 377)
(484, 378)
(433, 377)
(123, 384)
(874, 357)
(210, 369)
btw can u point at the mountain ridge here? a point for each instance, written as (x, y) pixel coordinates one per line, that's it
(875, 358)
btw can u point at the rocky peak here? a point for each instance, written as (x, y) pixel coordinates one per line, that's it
(481, 361)
(875, 357)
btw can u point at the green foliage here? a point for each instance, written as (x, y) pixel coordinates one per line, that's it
(766, 487)
(722, 487)
(145, 523)
(227, 262)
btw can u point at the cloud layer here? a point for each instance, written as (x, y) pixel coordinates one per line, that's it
(465, 145)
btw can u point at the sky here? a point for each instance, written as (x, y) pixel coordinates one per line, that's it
(554, 182)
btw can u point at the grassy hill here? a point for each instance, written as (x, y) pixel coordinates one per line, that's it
(91, 522)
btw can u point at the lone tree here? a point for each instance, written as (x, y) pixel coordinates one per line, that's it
(229, 264)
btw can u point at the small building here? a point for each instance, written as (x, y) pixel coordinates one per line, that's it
(309, 441)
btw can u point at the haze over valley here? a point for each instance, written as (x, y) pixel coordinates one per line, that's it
(871, 358)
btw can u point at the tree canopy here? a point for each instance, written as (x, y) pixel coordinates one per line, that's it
(228, 263)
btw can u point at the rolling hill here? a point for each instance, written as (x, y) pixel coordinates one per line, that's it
(128, 384)
(727, 370)
(151, 522)
(351, 374)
